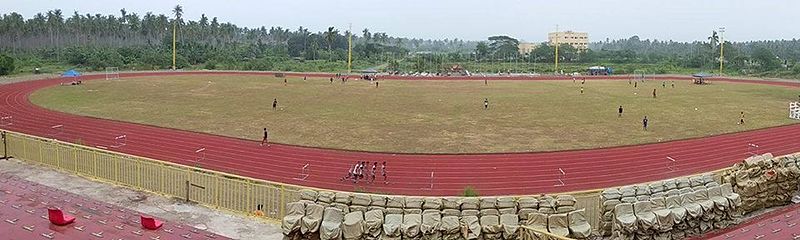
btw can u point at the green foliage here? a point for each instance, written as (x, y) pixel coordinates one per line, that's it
(469, 191)
(6, 65)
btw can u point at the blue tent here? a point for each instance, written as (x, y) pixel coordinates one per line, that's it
(71, 73)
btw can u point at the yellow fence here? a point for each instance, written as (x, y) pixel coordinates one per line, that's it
(211, 188)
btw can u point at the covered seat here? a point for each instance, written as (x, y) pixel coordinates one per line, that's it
(578, 226)
(664, 216)
(331, 227)
(510, 223)
(538, 221)
(451, 227)
(57, 217)
(645, 218)
(624, 219)
(490, 226)
(557, 224)
(312, 219)
(392, 226)
(693, 209)
(470, 228)
(431, 225)
(373, 222)
(733, 198)
(720, 202)
(353, 226)
(150, 223)
(291, 222)
(675, 207)
(411, 225)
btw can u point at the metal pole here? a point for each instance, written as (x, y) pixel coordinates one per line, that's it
(721, 47)
(5, 146)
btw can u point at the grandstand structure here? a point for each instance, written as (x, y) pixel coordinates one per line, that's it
(239, 176)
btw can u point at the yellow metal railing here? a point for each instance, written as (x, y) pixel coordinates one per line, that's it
(210, 188)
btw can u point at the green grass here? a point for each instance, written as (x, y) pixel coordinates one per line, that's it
(428, 116)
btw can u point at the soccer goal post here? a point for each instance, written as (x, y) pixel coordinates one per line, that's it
(112, 73)
(641, 75)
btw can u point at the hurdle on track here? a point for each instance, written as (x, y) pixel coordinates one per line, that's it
(120, 141)
(429, 187)
(752, 149)
(200, 154)
(6, 120)
(304, 172)
(56, 130)
(671, 164)
(560, 178)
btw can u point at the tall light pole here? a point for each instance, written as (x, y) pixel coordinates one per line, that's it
(350, 49)
(174, 37)
(721, 49)
(556, 42)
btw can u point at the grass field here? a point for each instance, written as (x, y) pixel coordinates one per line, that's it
(428, 116)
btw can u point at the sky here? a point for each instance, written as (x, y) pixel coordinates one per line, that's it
(678, 20)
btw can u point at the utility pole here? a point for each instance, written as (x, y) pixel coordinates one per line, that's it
(721, 51)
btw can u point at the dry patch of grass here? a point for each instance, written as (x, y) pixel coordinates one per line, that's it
(428, 116)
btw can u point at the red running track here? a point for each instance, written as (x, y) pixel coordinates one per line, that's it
(490, 174)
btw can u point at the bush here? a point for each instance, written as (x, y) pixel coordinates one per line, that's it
(6, 65)
(469, 191)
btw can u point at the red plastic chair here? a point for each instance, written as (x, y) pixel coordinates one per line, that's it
(151, 223)
(58, 217)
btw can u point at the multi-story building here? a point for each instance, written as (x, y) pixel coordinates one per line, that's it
(578, 40)
(525, 48)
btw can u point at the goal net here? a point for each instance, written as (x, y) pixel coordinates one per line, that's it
(794, 110)
(641, 75)
(112, 73)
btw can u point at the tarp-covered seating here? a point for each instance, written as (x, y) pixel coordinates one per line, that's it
(291, 222)
(392, 224)
(470, 228)
(354, 226)
(510, 223)
(411, 225)
(537, 221)
(490, 227)
(374, 223)
(664, 218)
(331, 227)
(451, 228)
(431, 225)
(624, 221)
(312, 219)
(694, 213)
(557, 224)
(578, 226)
(645, 219)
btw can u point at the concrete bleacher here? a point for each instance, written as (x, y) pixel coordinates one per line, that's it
(23, 215)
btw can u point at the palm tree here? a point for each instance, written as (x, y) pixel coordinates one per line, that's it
(367, 36)
(330, 36)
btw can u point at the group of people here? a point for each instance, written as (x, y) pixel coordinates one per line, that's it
(358, 172)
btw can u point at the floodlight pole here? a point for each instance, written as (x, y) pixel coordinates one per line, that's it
(350, 49)
(556, 42)
(721, 47)
(174, 37)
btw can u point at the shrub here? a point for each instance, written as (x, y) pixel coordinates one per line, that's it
(469, 191)
(6, 65)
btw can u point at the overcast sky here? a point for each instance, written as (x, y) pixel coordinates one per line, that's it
(679, 20)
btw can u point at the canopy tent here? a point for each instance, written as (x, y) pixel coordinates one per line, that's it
(71, 73)
(700, 78)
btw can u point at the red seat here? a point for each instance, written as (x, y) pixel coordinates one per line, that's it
(58, 217)
(151, 223)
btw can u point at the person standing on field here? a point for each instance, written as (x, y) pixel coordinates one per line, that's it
(620, 111)
(644, 123)
(741, 118)
(274, 103)
(654, 93)
(485, 103)
(265, 140)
